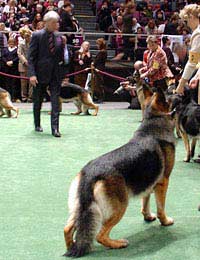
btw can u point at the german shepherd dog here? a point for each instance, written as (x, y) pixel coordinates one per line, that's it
(6, 105)
(80, 96)
(188, 121)
(99, 195)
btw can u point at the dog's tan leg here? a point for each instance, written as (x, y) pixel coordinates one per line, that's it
(177, 127)
(87, 101)
(116, 204)
(8, 112)
(1, 111)
(193, 145)
(145, 210)
(69, 230)
(160, 194)
(187, 145)
(16, 110)
(78, 105)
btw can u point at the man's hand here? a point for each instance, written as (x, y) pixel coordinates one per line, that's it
(181, 86)
(9, 63)
(193, 83)
(143, 75)
(33, 81)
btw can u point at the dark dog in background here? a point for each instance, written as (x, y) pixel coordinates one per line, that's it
(188, 120)
(99, 195)
(6, 105)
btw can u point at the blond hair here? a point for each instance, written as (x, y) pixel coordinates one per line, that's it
(152, 38)
(188, 10)
(24, 31)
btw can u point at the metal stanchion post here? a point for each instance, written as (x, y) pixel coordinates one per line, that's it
(92, 79)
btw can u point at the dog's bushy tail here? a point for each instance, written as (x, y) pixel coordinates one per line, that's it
(87, 220)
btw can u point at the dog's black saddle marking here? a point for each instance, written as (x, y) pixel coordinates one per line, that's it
(71, 91)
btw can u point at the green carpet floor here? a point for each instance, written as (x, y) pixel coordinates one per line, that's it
(35, 174)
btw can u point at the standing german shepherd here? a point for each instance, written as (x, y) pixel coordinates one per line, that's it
(6, 105)
(187, 120)
(99, 195)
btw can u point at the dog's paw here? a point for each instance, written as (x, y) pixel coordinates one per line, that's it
(150, 217)
(124, 243)
(167, 221)
(187, 160)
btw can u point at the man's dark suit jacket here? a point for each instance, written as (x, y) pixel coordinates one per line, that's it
(41, 62)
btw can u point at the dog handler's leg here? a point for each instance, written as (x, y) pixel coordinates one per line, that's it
(160, 194)
(148, 216)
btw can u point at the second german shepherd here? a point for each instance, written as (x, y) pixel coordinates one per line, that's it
(6, 105)
(188, 121)
(99, 195)
(80, 96)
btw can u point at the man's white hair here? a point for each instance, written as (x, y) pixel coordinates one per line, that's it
(51, 15)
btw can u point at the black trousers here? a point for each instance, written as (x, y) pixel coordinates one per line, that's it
(38, 95)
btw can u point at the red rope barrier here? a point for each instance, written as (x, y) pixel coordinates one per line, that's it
(27, 78)
(13, 76)
(110, 75)
(77, 72)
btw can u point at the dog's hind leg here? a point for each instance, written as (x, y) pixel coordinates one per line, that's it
(193, 145)
(88, 102)
(112, 201)
(73, 204)
(78, 105)
(187, 145)
(1, 111)
(145, 210)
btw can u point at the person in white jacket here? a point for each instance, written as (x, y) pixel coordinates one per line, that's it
(191, 14)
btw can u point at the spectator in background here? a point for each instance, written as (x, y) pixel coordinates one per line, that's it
(10, 8)
(102, 15)
(141, 44)
(26, 89)
(12, 23)
(120, 10)
(36, 20)
(83, 59)
(40, 25)
(170, 57)
(99, 63)
(10, 59)
(67, 66)
(135, 25)
(129, 42)
(66, 22)
(151, 28)
(171, 26)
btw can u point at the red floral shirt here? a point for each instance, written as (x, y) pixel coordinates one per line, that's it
(156, 67)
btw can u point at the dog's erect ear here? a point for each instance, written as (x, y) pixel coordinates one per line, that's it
(159, 102)
(147, 91)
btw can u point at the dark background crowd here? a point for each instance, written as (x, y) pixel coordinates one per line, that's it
(18, 19)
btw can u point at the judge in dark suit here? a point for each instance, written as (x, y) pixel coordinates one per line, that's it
(45, 57)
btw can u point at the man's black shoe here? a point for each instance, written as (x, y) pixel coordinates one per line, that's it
(38, 129)
(56, 133)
